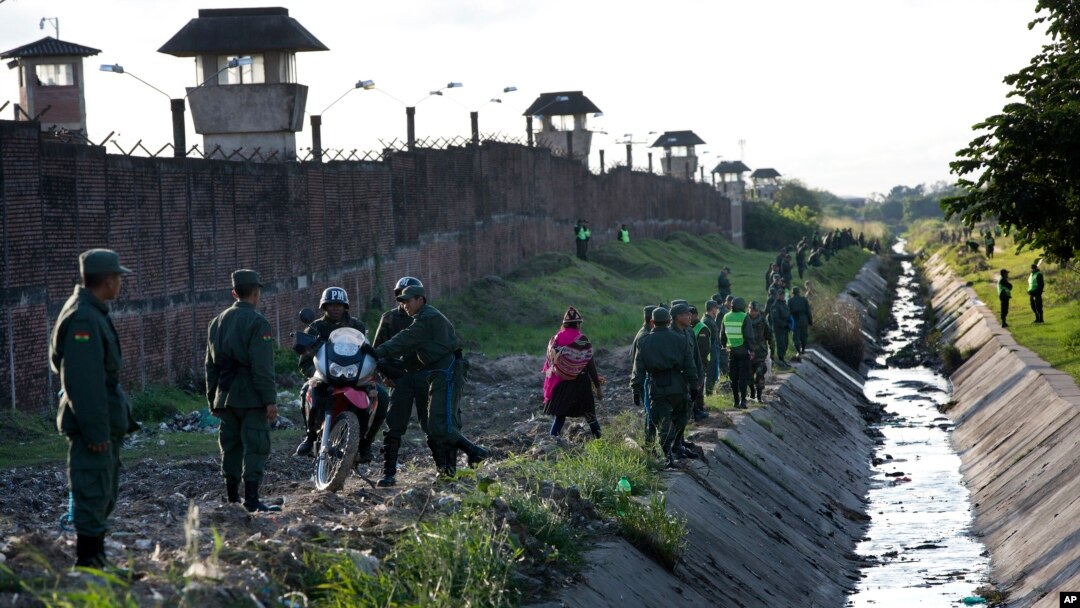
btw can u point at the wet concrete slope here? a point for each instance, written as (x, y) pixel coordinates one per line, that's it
(1018, 435)
(775, 509)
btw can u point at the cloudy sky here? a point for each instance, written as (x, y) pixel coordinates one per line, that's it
(853, 96)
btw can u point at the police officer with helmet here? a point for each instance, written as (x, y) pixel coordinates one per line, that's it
(409, 382)
(335, 306)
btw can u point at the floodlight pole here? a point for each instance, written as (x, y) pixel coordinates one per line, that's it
(316, 137)
(179, 133)
(474, 118)
(410, 127)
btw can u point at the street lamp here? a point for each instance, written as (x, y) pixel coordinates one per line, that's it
(55, 21)
(474, 116)
(316, 119)
(235, 62)
(176, 106)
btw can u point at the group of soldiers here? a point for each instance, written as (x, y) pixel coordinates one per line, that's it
(414, 340)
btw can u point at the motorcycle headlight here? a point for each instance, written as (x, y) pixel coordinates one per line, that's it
(348, 372)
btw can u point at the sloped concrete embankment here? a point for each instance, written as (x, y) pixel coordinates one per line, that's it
(1018, 435)
(773, 511)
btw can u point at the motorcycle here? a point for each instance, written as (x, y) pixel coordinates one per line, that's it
(346, 362)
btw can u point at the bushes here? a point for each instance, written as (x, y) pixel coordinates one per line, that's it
(838, 329)
(769, 228)
(160, 402)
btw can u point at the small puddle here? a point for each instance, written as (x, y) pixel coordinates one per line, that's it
(918, 550)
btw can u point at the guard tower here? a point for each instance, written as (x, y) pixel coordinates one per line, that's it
(731, 178)
(563, 123)
(246, 95)
(679, 157)
(51, 83)
(766, 183)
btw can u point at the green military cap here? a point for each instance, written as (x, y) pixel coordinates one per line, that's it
(675, 303)
(796, 290)
(410, 292)
(711, 304)
(680, 309)
(244, 277)
(717, 298)
(754, 305)
(661, 315)
(100, 261)
(648, 310)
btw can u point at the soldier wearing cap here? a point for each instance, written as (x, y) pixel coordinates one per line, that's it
(703, 343)
(432, 340)
(409, 386)
(736, 335)
(712, 312)
(799, 307)
(759, 354)
(94, 413)
(240, 389)
(723, 283)
(335, 306)
(667, 358)
(780, 317)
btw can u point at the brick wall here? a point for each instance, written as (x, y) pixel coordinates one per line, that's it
(446, 216)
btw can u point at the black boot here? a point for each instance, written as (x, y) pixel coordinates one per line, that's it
(232, 490)
(89, 551)
(450, 456)
(251, 499)
(305, 447)
(594, 426)
(474, 453)
(391, 446)
(363, 452)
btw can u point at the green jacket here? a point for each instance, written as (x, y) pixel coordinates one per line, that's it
(703, 337)
(799, 307)
(85, 352)
(699, 365)
(390, 324)
(430, 338)
(641, 333)
(321, 329)
(667, 356)
(763, 336)
(240, 359)
(723, 285)
(780, 314)
(713, 327)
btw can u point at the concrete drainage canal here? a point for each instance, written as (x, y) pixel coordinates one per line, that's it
(918, 549)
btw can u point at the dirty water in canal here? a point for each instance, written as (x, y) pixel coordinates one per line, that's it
(918, 549)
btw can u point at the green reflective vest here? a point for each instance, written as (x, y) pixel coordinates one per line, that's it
(584, 234)
(733, 322)
(1003, 291)
(1033, 281)
(624, 236)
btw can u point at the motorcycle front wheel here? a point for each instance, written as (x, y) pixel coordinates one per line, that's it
(333, 464)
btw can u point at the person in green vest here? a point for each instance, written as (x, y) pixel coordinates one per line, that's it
(581, 237)
(241, 389)
(763, 337)
(624, 234)
(1004, 289)
(1035, 292)
(988, 242)
(799, 307)
(94, 413)
(666, 358)
(737, 336)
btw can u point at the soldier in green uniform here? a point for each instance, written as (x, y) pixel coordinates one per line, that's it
(759, 356)
(240, 389)
(737, 336)
(1004, 289)
(646, 327)
(1036, 284)
(94, 413)
(682, 320)
(409, 388)
(667, 358)
(799, 307)
(703, 341)
(432, 340)
(780, 319)
(712, 311)
(335, 306)
(723, 283)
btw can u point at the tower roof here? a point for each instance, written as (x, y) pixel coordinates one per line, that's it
(765, 173)
(576, 103)
(241, 30)
(731, 166)
(671, 139)
(50, 47)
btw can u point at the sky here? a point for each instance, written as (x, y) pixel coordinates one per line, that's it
(849, 96)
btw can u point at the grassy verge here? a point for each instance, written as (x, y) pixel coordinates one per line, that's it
(1058, 340)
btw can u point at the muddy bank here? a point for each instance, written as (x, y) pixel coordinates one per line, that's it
(1018, 435)
(775, 508)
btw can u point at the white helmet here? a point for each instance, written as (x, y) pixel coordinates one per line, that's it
(334, 295)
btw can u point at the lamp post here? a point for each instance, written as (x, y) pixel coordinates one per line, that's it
(474, 116)
(316, 119)
(410, 112)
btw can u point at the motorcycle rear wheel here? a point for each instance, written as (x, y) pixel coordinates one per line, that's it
(332, 467)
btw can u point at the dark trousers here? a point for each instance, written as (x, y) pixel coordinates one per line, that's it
(714, 367)
(802, 335)
(758, 369)
(1004, 310)
(781, 332)
(582, 248)
(244, 439)
(94, 479)
(590, 417)
(409, 390)
(444, 415)
(1036, 305)
(740, 374)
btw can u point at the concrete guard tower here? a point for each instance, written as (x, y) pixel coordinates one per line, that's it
(51, 76)
(731, 178)
(563, 123)
(766, 183)
(679, 157)
(256, 104)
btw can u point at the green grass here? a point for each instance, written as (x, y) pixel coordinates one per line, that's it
(1061, 300)
(158, 403)
(656, 532)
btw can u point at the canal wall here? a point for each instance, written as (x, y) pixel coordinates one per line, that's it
(774, 509)
(1018, 435)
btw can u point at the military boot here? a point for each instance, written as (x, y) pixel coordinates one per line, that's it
(363, 452)
(251, 499)
(450, 456)
(305, 447)
(391, 446)
(89, 551)
(474, 453)
(232, 490)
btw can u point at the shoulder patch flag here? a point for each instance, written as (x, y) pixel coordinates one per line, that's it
(82, 336)
(267, 337)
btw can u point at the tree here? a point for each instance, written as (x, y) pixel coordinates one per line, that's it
(1024, 168)
(793, 193)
